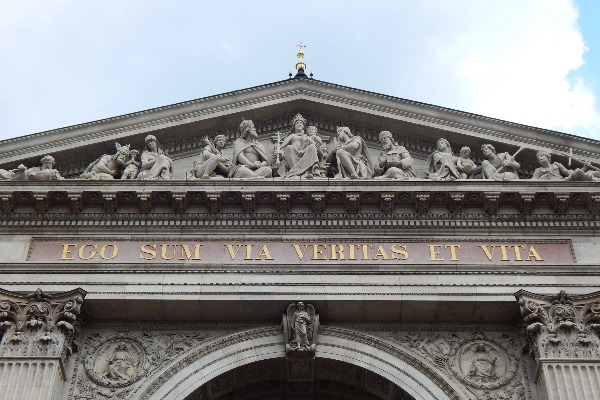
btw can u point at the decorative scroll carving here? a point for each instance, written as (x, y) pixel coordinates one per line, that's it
(7, 203)
(491, 203)
(284, 202)
(76, 202)
(40, 201)
(39, 324)
(179, 202)
(317, 203)
(422, 203)
(352, 203)
(561, 326)
(456, 202)
(561, 203)
(386, 203)
(526, 202)
(249, 202)
(111, 202)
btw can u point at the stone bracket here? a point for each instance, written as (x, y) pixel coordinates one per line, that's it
(387, 203)
(214, 202)
(525, 202)
(248, 202)
(144, 202)
(7, 203)
(76, 202)
(594, 203)
(561, 203)
(317, 202)
(491, 202)
(352, 203)
(422, 201)
(111, 202)
(456, 202)
(179, 202)
(284, 203)
(40, 201)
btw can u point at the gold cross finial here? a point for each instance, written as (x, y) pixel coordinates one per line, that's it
(300, 66)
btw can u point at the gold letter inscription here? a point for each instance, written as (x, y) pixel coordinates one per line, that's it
(186, 253)
(149, 252)
(433, 253)
(66, 252)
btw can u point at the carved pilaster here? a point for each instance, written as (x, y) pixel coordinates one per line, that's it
(562, 338)
(317, 203)
(456, 201)
(248, 202)
(213, 202)
(594, 203)
(387, 203)
(284, 202)
(352, 203)
(111, 202)
(300, 326)
(561, 203)
(7, 203)
(491, 203)
(179, 202)
(422, 203)
(75, 202)
(526, 202)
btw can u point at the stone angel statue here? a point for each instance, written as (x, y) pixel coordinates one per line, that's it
(301, 322)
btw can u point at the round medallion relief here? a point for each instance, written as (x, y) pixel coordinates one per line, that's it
(482, 364)
(117, 362)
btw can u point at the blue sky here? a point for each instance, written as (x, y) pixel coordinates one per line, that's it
(65, 62)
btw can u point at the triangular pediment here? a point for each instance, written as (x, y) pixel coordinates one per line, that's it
(180, 127)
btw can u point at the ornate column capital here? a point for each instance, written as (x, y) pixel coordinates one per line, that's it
(561, 326)
(39, 324)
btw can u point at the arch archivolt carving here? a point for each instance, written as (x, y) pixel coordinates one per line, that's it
(385, 358)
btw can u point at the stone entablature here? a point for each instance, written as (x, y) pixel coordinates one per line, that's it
(315, 196)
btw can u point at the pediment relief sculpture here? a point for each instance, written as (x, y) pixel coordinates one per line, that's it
(305, 153)
(45, 172)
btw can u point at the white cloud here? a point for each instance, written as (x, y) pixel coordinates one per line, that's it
(67, 62)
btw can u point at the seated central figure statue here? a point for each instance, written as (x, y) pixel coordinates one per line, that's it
(394, 160)
(351, 156)
(249, 156)
(301, 152)
(441, 164)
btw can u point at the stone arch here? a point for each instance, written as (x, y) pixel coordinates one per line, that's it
(369, 352)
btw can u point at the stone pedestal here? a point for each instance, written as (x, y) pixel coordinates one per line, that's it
(562, 333)
(38, 332)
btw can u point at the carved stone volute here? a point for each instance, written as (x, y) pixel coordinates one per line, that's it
(561, 326)
(39, 325)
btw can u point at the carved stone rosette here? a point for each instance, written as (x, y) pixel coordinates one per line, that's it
(39, 325)
(561, 326)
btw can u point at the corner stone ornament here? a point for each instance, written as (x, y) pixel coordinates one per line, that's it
(300, 329)
(39, 324)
